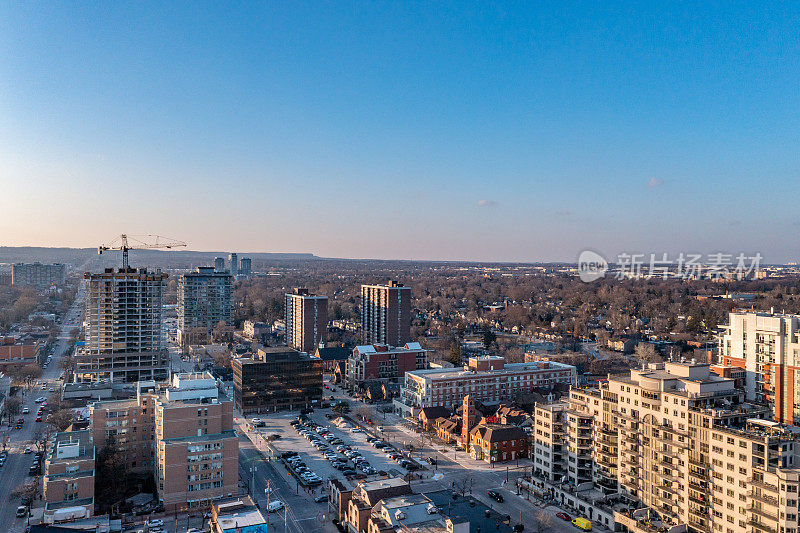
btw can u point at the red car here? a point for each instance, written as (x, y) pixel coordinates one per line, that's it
(564, 516)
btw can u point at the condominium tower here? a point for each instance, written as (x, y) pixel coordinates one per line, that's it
(233, 260)
(124, 341)
(306, 317)
(386, 314)
(766, 346)
(671, 447)
(204, 300)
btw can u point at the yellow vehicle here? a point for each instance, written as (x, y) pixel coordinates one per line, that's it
(582, 523)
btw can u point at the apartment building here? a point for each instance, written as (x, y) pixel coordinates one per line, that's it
(197, 448)
(386, 314)
(38, 275)
(233, 261)
(766, 346)
(124, 341)
(219, 264)
(130, 426)
(488, 379)
(674, 448)
(275, 379)
(381, 362)
(548, 448)
(246, 266)
(69, 475)
(204, 300)
(306, 319)
(180, 432)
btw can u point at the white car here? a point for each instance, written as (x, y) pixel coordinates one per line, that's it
(156, 522)
(356, 430)
(41, 399)
(25, 410)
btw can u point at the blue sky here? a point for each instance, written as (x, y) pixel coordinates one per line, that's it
(403, 130)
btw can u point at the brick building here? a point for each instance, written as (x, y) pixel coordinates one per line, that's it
(69, 473)
(383, 362)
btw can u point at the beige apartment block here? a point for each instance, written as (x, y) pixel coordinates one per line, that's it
(767, 347)
(671, 448)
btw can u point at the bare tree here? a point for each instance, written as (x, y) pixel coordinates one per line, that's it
(27, 492)
(61, 420)
(12, 407)
(464, 486)
(42, 436)
(68, 365)
(646, 353)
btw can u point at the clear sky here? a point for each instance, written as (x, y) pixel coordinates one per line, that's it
(428, 130)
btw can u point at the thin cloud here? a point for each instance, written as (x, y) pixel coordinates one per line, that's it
(655, 182)
(486, 203)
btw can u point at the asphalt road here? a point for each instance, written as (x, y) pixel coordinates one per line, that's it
(15, 471)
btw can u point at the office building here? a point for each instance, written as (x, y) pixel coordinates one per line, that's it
(386, 314)
(124, 340)
(38, 275)
(204, 301)
(381, 362)
(766, 347)
(306, 318)
(219, 264)
(181, 433)
(246, 266)
(487, 379)
(275, 379)
(69, 477)
(233, 261)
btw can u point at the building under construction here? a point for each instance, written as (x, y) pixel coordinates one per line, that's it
(124, 341)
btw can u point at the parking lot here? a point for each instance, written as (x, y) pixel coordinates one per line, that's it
(353, 444)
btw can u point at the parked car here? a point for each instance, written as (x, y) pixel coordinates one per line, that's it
(22, 511)
(431, 461)
(564, 516)
(320, 499)
(156, 522)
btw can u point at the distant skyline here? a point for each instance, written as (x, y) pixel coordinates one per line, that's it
(444, 131)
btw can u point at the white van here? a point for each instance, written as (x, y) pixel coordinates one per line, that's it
(273, 506)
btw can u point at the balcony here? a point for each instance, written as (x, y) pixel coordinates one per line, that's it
(757, 510)
(762, 484)
(758, 526)
(763, 498)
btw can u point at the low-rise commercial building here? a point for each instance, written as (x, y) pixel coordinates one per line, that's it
(275, 379)
(488, 379)
(237, 515)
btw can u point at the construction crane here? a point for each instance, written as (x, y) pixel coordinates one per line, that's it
(130, 242)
